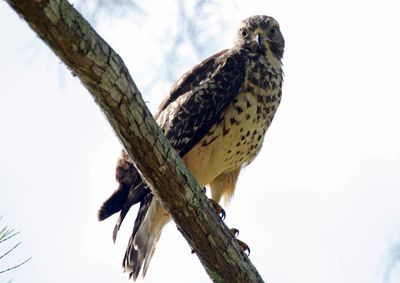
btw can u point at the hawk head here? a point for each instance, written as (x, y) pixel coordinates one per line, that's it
(260, 34)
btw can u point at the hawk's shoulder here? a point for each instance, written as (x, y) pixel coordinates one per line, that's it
(197, 100)
(201, 72)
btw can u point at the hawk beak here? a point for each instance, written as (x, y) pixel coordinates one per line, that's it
(259, 39)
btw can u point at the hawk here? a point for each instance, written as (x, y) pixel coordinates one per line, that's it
(215, 117)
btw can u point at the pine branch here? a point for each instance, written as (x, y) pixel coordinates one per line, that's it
(6, 234)
(15, 266)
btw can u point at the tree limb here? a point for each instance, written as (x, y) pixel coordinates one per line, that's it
(105, 75)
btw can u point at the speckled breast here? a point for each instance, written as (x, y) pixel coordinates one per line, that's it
(238, 138)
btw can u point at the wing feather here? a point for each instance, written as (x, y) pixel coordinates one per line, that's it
(200, 97)
(191, 77)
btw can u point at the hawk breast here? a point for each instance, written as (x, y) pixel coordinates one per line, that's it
(238, 136)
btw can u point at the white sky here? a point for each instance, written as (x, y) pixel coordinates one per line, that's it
(319, 204)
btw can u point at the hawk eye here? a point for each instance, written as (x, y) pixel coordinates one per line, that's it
(244, 33)
(272, 31)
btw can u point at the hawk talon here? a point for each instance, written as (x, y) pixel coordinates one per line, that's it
(223, 214)
(218, 208)
(234, 232)
(243, 247)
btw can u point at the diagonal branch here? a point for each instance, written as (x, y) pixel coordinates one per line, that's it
(106, 77)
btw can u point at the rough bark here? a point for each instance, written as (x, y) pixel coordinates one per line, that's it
(105, 75)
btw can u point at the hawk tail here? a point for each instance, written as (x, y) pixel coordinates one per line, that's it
(147, 231)
(150, 218)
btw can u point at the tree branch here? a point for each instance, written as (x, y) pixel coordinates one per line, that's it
(105, 75)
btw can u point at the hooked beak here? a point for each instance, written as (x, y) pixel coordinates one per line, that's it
(259, 39)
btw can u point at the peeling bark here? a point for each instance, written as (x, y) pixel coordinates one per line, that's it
(105, 75)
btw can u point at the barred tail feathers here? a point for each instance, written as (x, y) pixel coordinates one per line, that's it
(143, 241)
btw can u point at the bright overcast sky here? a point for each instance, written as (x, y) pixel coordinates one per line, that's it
(319, 204)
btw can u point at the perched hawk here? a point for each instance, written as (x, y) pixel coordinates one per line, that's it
(215, 117)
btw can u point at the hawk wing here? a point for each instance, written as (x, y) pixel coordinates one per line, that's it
(198, 100)
(182, 85)
(195, 102)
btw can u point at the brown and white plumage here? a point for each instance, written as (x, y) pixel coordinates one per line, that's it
(215, 117)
